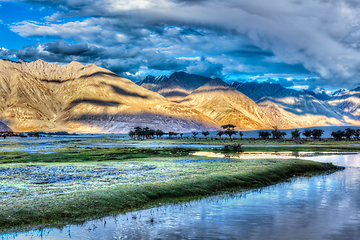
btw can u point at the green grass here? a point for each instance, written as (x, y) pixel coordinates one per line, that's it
(189, 179)
(245, 141)
(316, 148)
(91, 154)
(143, 176)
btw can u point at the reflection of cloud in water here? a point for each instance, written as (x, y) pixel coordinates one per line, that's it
(352, 160)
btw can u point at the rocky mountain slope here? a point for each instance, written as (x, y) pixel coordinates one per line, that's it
(47, 96)
(4, 128)
(347, 102)
(212, 97)
(288, 108)
(175, 87)
(74, 97)
(226, 105)
(269, 105)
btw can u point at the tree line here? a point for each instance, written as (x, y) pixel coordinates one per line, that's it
(295, 135)
(228, 129)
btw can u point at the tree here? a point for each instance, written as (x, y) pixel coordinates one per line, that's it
(295, 134)
(241, 134)
(264, 135)
(228, 127)
(172, 134)
(181, 135)
(317, 133)
(230, 133)
(277, 134)
(357, 134)
(338, 135)
(151, 133)
(349, 133)
(194, 134)
(138, 132)
(229, 130)
(131, 134)
(220, 133)
(205, 134)
(159, 133)
(307, 133)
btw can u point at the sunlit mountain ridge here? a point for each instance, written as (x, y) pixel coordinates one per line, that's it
(87, 98)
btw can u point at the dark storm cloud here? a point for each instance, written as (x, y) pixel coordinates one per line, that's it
(159, 61)
(61, 47)
(61, 51)
(319, 38)
(206, 68)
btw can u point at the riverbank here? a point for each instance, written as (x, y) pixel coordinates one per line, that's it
(57, 193)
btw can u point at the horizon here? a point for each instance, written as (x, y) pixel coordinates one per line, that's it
(296, 44)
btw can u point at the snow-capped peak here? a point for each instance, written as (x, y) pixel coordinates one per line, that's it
(323, 91)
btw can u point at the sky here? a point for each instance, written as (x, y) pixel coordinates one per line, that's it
(302, 44)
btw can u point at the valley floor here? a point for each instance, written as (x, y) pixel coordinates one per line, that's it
(75, 183)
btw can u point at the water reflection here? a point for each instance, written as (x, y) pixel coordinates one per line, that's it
(321, 207)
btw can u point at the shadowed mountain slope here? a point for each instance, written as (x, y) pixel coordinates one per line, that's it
(4, 128)
(227, 105)
(177, 86)
(47, 96)
(288, 108)
(347, 102)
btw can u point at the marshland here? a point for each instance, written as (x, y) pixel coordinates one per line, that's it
(55, 181)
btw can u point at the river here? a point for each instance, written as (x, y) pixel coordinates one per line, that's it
(320, 207)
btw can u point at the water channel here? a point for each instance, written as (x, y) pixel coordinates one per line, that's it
(320, 207)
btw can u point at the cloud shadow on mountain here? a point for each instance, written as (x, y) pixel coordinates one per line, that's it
(124, 92)
(94, 102)
(153, 120)
(101, 73)
(175, 94)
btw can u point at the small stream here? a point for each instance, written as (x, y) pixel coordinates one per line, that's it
(320, 207)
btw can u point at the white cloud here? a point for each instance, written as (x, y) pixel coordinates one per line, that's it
(322, 36)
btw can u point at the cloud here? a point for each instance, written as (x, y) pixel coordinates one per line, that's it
(315, 37)
(282, 81)
(61, 51)
(5, 53)
(206, 68)
(61, 47)
(159, 61)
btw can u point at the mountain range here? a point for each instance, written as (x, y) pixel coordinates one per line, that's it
(87, 98)
(263, 105)
(51, 97)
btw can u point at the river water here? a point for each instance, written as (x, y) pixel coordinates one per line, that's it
(320, 207)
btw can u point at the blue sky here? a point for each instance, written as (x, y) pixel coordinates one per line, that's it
(301, 44)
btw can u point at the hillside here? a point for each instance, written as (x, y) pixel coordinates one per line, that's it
(4, 128)
(347, 102)
(47, 96)
(175, 87)
(226, 105)
(288, 108)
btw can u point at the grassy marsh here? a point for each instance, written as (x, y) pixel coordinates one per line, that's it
(79, 183)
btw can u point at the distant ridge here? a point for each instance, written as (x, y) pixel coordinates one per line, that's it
(288, 108)
(276, 106)
(227, 105)
(74, 97)
(178, 85)
(86, 98)
(4, 128)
